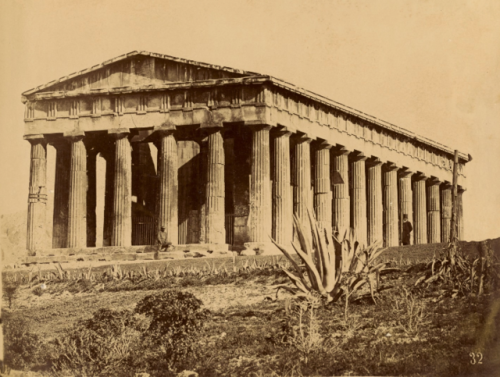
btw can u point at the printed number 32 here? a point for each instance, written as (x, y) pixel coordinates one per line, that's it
(476, 358)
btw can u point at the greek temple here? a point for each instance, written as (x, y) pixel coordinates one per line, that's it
(221, 158)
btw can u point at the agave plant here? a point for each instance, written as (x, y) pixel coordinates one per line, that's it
(333, 267)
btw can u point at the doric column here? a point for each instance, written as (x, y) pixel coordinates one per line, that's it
(77, 207)
(168, 183)
(391, 227)
(61, 195)
(282, 200)
(419, 213)
(322, 186)
(374, 196)
(202, 187)
(121, 234)
(460, 214)
(433, 212)
(358, 197)
(446, 192)
(108, 154)
(91, 196)
(341, 198)
(37, 197)
(215, 194)
(302, 178)
(405, 200)
(260, 221)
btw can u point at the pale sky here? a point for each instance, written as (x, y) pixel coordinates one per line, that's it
(432, 67)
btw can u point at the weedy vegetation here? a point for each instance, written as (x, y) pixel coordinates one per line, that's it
(340, 309)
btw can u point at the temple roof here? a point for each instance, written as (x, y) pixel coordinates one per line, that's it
(139, 71)
(154, 68)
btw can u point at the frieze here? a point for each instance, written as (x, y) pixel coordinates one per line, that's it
(233, 94)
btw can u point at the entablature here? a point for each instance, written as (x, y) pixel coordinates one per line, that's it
(245, 99)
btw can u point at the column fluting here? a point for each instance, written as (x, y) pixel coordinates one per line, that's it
(433, 212)
(391, 205)
(77, 202)
(168, 185)
(91, 196)
(122, 199)
(341, 196)
(302, 179)
(215, 203)
(405, 200)
(374, 196)
(61, 195)
(322, 187)
(359, 220)
(420, 213)
(282, 200)
(260, 215)
(37, 197)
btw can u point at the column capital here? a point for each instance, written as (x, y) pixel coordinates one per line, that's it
(446, 185)
(281, 131)
(404, 173)
(419, 176)
(74, 136)
(358, 156)
(301, 137)
(432, 181)
(390, 166)
(35, 139)
(257, 125)
(319, 144)
(118, 133)
(340, 150)
(164, 130)
(373, 161)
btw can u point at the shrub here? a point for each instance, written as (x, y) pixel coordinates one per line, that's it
(23, 348)
(176, 319)
(101, 345)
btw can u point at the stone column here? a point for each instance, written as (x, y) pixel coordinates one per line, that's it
(322, 186)
(460, 214)
(282, 200)
(358, 182)
(108, 154)
(215, 194)
(433, 212)
(91, 196)
(121, 234)
(302, 178)
(405, 201)
(168, 184)
(446, 193)
(341, 199)
(260, 221)
(77, 207)
(374, 196)
(37, 198)
(419, 213)
(391, 205)
(61, 195)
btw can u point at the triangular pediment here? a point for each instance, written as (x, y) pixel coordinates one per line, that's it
(138, 69)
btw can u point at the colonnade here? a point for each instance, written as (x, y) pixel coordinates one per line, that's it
(290, 173)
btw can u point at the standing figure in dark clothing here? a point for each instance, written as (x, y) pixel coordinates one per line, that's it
(407, 229)
(162, 240)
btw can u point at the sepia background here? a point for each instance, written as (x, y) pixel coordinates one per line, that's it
(432, 67)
